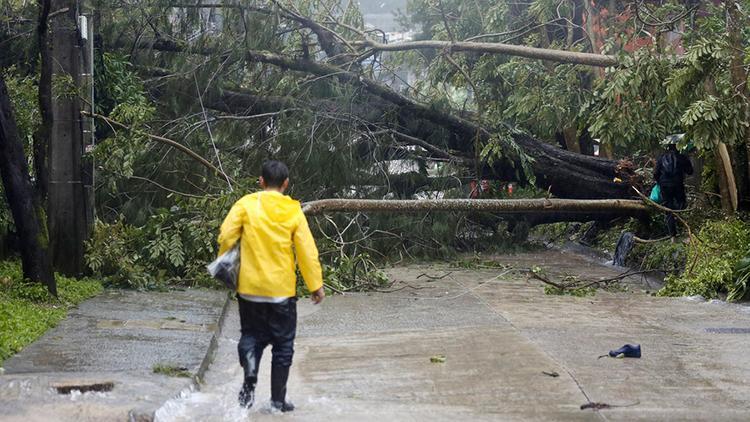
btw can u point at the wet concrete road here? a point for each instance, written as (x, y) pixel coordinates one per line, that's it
(367, 356)
(116, 337)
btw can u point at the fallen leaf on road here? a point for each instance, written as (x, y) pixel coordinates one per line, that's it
(438, 359)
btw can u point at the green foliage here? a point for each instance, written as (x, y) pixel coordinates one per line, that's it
(353, 273)
(701, 88)
(667, 256)
(120, 92)
(630, 108)
(502, 145)
(544, 100)
(23, 97)
(712, 262)
(741, 275)
(172, 247)
(120, 95)
(28, 310)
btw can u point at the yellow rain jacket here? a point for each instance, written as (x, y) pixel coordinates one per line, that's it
(268, 224)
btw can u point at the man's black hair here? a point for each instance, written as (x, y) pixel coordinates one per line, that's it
(274, 173)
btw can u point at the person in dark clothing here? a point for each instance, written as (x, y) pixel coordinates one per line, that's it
(670, 171)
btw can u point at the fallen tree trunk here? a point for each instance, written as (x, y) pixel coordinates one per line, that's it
(567, 209)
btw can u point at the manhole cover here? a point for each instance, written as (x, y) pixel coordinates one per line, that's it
(728, 330)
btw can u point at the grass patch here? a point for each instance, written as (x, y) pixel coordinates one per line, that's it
(172, 370)
(27, 310)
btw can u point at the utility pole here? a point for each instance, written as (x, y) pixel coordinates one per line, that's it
(66, 204)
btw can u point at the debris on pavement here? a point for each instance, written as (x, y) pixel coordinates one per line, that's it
(627, 351)
(437, 359)
(595, 406)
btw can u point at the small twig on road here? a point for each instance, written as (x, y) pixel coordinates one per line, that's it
(620, 277)
(597, 406)
(431, 277)
(537, 274)
(409, 286)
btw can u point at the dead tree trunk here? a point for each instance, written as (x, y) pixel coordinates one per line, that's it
(66, 198)
(28, 215)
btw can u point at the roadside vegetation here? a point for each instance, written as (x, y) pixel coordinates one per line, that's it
(27, 310)
(714, 264)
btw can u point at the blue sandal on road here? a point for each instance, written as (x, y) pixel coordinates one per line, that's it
(627, 351)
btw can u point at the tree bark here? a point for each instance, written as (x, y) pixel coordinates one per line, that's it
(66, 209)
(572, 143)
(42, 137)
(728, 185)
(28, 215)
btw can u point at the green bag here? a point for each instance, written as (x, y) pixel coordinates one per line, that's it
(656, 194)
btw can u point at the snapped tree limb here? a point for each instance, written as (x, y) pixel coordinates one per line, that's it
(558, 56)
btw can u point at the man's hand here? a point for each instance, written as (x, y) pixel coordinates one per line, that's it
(318, 295)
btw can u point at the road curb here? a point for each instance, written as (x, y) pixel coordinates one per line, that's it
(148, 415)
(213, 345)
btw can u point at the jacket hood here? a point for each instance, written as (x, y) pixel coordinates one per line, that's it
(278, 207)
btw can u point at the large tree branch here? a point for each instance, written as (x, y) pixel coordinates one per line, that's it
(559, 56)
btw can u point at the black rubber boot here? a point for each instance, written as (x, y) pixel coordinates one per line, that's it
(279, 376)
(247, 393)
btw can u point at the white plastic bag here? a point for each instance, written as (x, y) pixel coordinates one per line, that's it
(226, 267)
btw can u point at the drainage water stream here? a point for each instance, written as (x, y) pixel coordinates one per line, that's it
(217, 398)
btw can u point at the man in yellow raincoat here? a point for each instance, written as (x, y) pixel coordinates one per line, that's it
(271, 229)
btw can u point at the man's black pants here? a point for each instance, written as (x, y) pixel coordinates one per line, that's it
(673, 197)
(263, 324)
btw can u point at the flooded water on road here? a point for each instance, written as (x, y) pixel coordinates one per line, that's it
(216, 400)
